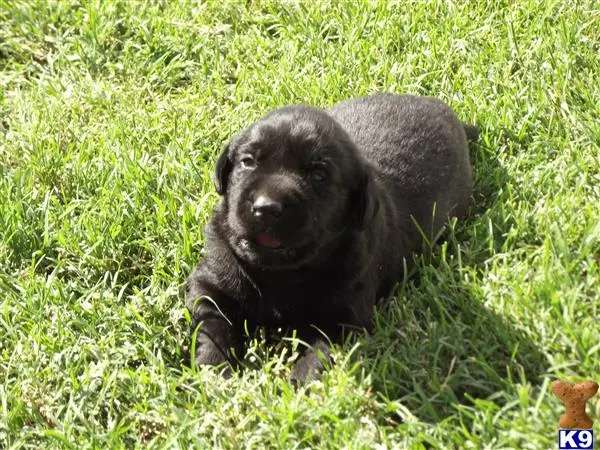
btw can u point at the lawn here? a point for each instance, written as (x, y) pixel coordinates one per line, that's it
(111, 118)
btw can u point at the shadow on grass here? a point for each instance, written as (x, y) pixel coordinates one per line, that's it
(436, 344)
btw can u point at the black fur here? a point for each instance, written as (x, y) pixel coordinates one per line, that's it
(318, 219)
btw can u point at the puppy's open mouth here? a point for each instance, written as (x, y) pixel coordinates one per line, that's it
(264, 242)
(265, 250)
(268, 241)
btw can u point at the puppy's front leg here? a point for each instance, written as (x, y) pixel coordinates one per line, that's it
(319, 339)
(217, 334)
(356, 315)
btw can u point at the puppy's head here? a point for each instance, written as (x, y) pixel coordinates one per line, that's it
(294, 185)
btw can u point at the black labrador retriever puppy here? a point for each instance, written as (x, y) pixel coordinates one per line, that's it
(320, 214)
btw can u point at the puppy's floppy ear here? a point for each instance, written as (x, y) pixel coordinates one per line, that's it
(222, 170)
(364, 203)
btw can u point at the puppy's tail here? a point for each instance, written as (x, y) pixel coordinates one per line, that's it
(472, 132)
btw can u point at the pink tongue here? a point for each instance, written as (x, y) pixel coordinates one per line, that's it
(267, 241)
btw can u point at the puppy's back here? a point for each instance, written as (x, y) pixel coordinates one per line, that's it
(419, 149)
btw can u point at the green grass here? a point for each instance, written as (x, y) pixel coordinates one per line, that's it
(111, 116)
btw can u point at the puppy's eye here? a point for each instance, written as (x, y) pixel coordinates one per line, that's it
(318, 175)
(247, 162)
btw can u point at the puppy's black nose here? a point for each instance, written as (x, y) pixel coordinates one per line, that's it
(264, 205)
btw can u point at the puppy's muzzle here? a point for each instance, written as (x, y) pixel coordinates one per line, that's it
(275, 202)
(264, 205)
(274, 216)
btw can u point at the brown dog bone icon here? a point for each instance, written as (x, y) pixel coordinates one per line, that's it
(574, 396)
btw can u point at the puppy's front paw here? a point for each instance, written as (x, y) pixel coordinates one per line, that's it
(206, 356)
(308, 367)
(209, 355)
